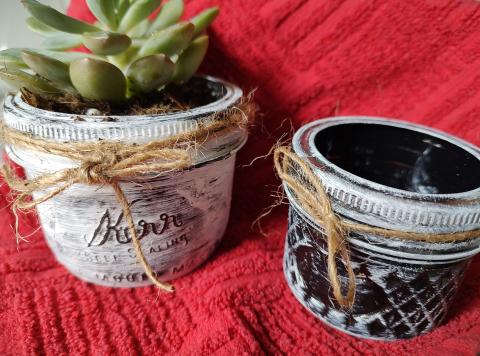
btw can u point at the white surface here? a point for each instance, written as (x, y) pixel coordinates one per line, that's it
(15, 33)
(84, 228)
(13, 29)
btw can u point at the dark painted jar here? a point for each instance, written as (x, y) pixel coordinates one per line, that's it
(392, 175)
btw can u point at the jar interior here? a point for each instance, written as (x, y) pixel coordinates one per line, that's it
(199, 91)
(400, 158)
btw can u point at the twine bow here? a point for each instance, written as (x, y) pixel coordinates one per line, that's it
(311, 195)
(107, 162)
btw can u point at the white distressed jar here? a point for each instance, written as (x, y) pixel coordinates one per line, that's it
(180, 216)
(393, 175)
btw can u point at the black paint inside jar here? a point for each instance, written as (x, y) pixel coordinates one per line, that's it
(400, 158)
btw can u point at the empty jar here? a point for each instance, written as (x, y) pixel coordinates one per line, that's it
(393, 175)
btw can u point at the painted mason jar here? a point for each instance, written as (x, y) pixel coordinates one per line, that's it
(393, 175)
(180, 216)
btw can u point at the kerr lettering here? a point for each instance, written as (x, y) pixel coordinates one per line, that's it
(117, 230)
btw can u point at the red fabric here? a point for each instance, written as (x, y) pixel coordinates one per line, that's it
(417, 60)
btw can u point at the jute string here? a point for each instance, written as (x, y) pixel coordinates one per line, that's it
(108, 162)
(311, 196)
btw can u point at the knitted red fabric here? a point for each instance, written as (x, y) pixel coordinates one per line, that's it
(417, 60)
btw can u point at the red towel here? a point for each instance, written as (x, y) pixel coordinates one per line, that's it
(417, 60)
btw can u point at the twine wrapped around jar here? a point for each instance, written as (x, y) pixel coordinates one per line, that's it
(309, 192)
(107, 162)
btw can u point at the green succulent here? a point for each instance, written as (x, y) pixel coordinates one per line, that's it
(131, 53)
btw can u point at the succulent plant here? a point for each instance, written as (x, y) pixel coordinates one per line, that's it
(131, 53)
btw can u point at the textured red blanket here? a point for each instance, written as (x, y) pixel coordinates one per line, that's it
(416, 60)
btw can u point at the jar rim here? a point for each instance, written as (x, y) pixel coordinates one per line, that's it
(51, 125)
(232, 94)
(64, 127)
(404, 251)
(346, 120)
(378, 204)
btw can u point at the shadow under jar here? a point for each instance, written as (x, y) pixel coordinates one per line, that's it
(392, 175)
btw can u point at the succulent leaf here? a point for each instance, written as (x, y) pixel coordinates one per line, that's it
(104, 10)
(12, 57)
(171, 41)
(20, 79)
(121, 6)
(170, 13)
(106, 43)
(62, 42)
(149, 73)
(140, 29)
(56, 19)
(204, 19)
(40, 27)
(190, 60)
(65, 57)
(98, 80)
(137, 12)
(47, 67)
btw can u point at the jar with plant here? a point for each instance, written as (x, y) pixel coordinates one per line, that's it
(128, 154)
